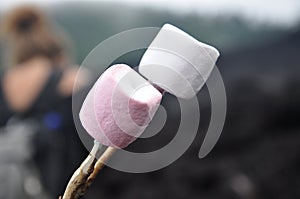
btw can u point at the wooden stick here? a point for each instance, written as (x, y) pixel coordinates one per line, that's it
(84, 176)
(100, 164)
(80, 176)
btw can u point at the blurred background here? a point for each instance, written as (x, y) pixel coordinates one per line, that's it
(257, 156)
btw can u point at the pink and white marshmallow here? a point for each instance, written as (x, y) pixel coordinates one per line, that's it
(121, 103)
(119, 106)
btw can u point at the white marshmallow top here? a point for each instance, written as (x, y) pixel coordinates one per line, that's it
(177, 62)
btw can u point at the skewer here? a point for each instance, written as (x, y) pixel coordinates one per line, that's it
(80, 176)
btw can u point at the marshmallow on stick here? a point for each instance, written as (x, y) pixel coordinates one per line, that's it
(119, 106)
(115, 112)
(122, 103)
(177, 62)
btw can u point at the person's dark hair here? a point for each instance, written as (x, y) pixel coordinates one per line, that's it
(28, 34)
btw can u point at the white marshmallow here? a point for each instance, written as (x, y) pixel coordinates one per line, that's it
(177, 62)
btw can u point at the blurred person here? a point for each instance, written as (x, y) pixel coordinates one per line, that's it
(37, 84)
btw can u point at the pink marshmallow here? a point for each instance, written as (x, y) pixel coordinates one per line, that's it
(119, 106)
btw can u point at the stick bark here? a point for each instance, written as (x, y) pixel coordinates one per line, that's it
(85, 175)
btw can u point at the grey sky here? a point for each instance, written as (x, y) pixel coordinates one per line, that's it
(276, 12)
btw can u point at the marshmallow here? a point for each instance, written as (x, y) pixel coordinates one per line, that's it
(119, 106)
(177, 62)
